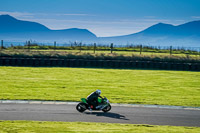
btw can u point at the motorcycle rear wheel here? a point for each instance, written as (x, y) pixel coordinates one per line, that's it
(106, 109)
(81, 107)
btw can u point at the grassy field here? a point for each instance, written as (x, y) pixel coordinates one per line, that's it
(125, 53)
(119, 86)
(84, 127)
(125, 56)
(103, 48)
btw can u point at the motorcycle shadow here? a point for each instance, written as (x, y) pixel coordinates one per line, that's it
(108, 114)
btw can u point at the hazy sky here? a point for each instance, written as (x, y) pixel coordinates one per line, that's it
(103, 17)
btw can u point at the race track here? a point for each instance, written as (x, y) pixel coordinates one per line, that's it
(132, 115)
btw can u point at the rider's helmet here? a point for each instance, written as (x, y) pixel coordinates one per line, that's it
(98, 92)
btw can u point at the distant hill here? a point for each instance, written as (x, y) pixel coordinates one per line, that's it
(13, 29)
(187, 35)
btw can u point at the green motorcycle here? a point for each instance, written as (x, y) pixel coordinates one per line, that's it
(104, 105)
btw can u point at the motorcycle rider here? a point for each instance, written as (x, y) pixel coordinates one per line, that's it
(93, 98)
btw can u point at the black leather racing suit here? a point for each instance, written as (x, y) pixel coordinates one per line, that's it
(93, 99)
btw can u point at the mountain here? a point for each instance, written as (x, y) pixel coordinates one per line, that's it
(161, 34)
(9, 24)
(13, 29)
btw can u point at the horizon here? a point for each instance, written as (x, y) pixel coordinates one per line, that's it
(103, 18)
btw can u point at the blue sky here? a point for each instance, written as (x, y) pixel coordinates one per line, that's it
(103, 17)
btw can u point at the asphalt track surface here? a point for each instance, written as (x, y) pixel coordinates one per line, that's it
(118, 114)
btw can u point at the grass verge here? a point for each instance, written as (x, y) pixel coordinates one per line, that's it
(119, 86)
(99, 55)
(85, 127)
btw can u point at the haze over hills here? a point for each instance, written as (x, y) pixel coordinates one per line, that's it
(187, 34)
(12, 29)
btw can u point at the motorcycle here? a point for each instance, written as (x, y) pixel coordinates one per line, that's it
(104, 105)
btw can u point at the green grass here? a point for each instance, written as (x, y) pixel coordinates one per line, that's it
(102, 48)
(99, 55)
(125, 53)
(85, 127)
(119, 86)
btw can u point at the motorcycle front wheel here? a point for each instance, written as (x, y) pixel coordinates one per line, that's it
(81, 107)
(106, 109)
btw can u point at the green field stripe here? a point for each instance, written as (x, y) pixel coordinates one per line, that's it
(87, 127)
(148, 87)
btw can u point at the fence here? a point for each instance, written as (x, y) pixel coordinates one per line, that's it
(100, 48)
